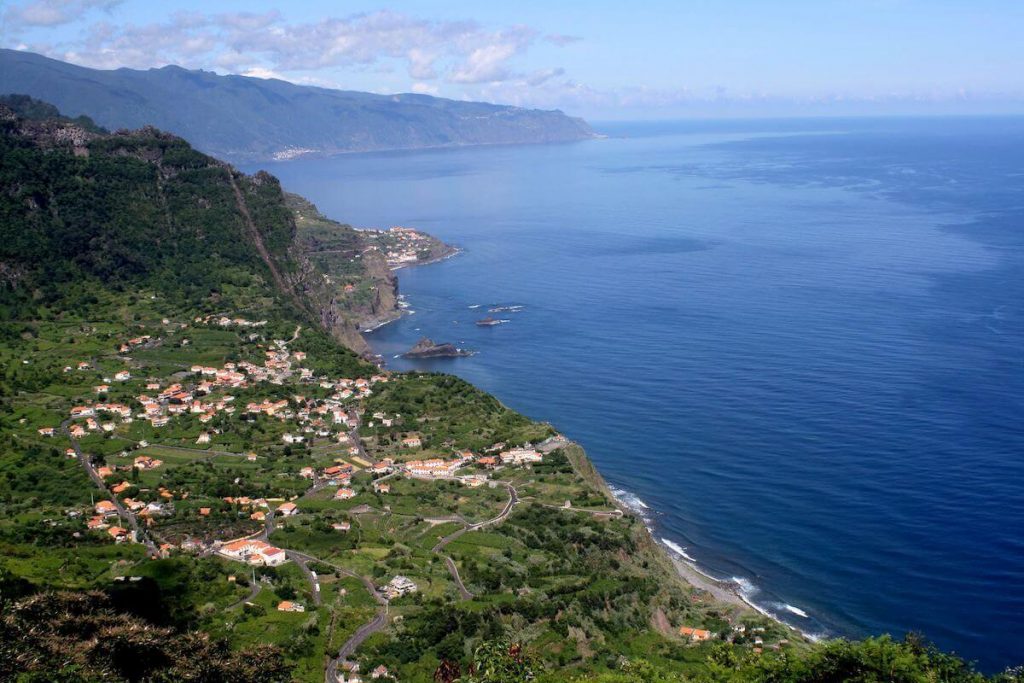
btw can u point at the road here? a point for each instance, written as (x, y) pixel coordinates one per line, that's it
(209, 453)
(513, 498)
(378, 622)
(126, 515)
(596, 513)
(302, 563)
(253, 592)
(454, 571)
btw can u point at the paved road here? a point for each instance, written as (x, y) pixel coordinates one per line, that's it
(513, 498)
(209, 453)
(596, 513)
(378, 622)
(454, 571)
(375, 624)
(256, 588)
(127, 515)
(302, 563)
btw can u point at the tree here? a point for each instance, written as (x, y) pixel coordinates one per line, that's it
(500, 662)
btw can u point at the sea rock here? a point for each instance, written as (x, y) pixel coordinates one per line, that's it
(426, 348)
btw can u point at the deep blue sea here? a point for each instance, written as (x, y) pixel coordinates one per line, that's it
(796, 347)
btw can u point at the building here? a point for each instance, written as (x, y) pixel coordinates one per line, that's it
(144, 462)
(412, 442)
(253, 552)
(399, 586)
(287, 509)
(344, 494)
(520, 456)
(289, 606)
(434, 468)
(694, 635)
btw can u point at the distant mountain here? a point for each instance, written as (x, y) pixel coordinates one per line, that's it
(252, 119)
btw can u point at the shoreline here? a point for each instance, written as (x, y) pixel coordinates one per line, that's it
(723, 591)
(455, 251)
(373, 324)
(727, 591)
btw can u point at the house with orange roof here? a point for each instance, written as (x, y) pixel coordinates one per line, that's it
(253, 552)
(121, 488)
(289, 606)
(694, 634)
(97, 522)
(287, 509)
(520, 456)
(144, 462)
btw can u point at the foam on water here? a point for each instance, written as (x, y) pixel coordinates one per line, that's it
(793, 610)
(633, 503)
(729, 398)
(678, 549)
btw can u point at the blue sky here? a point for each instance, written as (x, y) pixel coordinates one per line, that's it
(600, 59)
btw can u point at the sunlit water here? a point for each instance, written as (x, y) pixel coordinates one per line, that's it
(801, 346)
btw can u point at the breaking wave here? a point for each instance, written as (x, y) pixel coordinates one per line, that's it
(677, 549)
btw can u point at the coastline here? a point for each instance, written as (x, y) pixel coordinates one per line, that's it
(726, 591)
(453, 252)
(686, 569)
(371, 325)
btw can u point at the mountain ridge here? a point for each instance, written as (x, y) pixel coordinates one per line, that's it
(246, 119)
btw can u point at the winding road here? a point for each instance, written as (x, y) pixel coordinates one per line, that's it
(126, 515)
(513, 498)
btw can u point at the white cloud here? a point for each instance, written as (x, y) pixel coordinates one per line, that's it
(260, 72)
(424, 88)
(461, 52)
(48, 13)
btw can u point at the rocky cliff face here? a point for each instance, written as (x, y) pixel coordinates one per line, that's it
(142, 207)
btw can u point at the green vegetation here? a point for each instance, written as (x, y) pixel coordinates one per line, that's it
(135, 286)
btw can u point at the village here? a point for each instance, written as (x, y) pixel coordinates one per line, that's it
(403, 246)
(310, 491)
(314, 415)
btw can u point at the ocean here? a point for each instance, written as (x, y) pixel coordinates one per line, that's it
(795, 347)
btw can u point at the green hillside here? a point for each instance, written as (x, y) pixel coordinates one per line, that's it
(200, 482)
(247, 119)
